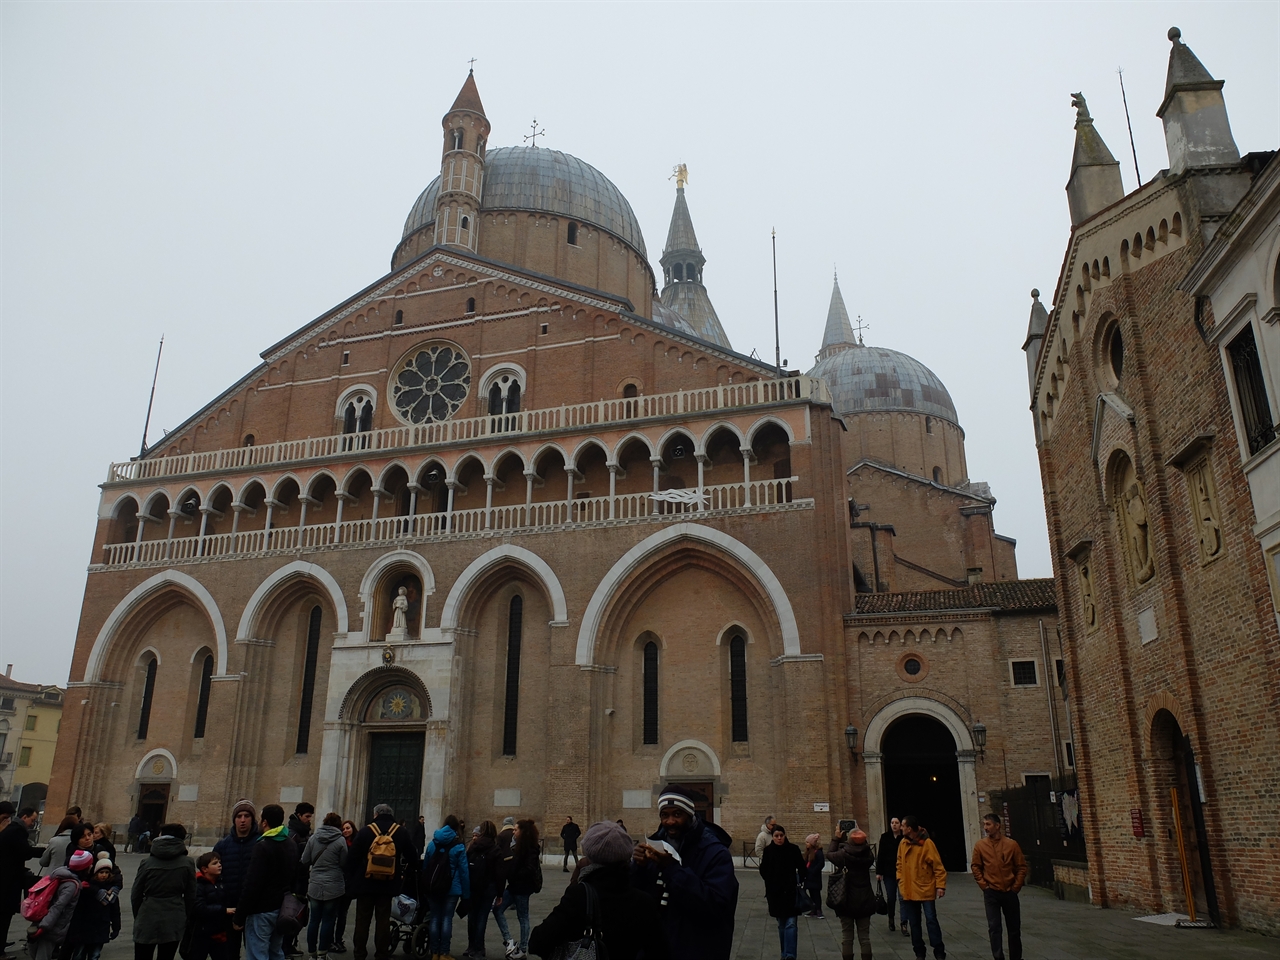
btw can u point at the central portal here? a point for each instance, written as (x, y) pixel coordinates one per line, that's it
(922, 778)
(395, 774)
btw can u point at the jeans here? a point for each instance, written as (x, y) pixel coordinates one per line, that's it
(378, 909)
(320, 925)
(440, 926)
(478, 919)
(996, 901)
(261, 939)
(890, 895)
(788, 929)
(930, 909)
(521, 901)
(862, 928)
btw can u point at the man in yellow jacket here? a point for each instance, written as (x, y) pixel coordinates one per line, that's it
(1001, 870)
(922, 881)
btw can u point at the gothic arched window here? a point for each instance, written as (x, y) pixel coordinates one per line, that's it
(511, 709)
(650, 692)
(148, 694)
(457, 139)
(202, 703)
(309, 679)
(678, 272)
(738, 687)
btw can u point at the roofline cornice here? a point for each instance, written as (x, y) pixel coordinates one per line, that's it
(1244, 223)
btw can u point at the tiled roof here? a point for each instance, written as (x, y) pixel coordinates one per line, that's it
(17, 686)
(1008, 595)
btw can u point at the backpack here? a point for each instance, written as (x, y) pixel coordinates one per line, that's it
(35, 906)
(382, 854)
(438, 871)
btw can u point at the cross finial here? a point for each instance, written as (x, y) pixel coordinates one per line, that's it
(858, 328)
(536, 132)
(471, 64)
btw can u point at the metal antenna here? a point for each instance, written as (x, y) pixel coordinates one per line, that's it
(1125, 99)
(777, 343)
(154, 377)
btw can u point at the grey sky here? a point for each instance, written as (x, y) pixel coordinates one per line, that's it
(225, 173)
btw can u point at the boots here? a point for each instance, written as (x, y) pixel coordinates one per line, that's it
(892, 927)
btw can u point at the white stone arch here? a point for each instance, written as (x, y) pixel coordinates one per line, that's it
(151, 755)
(110, 511)
(873, 760)
(734, 626)
(508, 367)
(150, 500)
(720, 425)
(315, 477)
(532, 463)
(213, 492)
(503, 454)
(380, 566)
(507, 553)
(664, 767)
(350, 475)
(380, 480)
(166, 579)
(343, 398)
(272, 494)
(639, 554)
(662, 440)
(455, 470)
(290, 571)
(266, 489)
(764, 422)
(633, 435)
(581, 448)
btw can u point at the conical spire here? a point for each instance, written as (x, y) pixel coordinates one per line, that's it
(468, 97)
(680, 236)
(839, 331)
(1197, 132)
(1037, 323)
(682, 262)
(1095, 182)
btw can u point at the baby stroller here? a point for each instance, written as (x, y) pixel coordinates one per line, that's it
(409, 927)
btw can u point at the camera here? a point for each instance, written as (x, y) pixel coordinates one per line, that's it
(848, 826)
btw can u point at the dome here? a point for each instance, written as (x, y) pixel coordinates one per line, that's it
(548, 181)
(870, 379)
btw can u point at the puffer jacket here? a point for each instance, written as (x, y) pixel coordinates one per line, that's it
(459, 874)
(97, 915)
(235, 853)
(164, 892)
(856, 858)
(920, 871)
(700, 893)
(62, 907)
(326, 855)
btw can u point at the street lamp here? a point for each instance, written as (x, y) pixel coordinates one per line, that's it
(980, 739)
(851, 739)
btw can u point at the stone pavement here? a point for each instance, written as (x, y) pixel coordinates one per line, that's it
(1051, 929)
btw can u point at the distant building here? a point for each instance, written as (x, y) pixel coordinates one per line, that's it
(1154, 377)
(30, 718)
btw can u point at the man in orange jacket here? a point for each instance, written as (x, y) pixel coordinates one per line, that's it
(1001, 870)
(922, 880)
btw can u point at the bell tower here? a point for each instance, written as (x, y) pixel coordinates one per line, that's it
(466, 133)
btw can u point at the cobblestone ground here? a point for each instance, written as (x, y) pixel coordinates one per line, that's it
(1051, 929)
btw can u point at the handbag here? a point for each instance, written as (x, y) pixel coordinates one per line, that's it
(838, 888)
(882, 907)
(291, 918)
(803, 903)
(589, 947)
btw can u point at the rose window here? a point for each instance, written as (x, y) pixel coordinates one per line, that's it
(431, 384)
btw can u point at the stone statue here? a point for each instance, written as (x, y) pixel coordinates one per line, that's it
(1135, 506)
(399, 619)
(1082, 110)
(1086, 595)
(1206, 512)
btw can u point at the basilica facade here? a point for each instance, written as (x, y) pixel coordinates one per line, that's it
(514, 531)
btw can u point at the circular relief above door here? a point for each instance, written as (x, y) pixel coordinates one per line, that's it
(430, 383)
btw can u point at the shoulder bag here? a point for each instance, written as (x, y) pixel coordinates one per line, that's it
(591, 946)
(838, 888)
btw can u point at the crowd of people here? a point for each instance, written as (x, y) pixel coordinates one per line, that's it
(268, 884)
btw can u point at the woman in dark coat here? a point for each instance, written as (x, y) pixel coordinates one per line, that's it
(163, 894)
(854, 855)
(629, 923)
(814, 861)
(783, 869)
(352, 872)
(482, 859)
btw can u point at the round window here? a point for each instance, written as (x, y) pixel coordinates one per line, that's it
(431, 383)
(912, 666)
(1115, 352)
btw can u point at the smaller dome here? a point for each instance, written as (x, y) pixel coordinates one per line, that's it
(871, 379)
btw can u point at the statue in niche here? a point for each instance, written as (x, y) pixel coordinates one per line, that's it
(403, 613)
(1086, 595)
(1136, 522)
(400, 616)
(1206, 508)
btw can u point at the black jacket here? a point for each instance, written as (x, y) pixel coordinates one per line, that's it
(517, 872)
(700, 893)
(97, 915)
(782, 868)
(813, 870)
(570, 833)
(482, 859)
(358, 860)
(631, 926)
(300, 833)
(235, 853)
(15, 851)
(272, 868)
(209, 918)
(856, 858)
(887, 855)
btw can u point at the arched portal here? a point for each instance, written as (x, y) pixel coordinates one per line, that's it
(1180, 831)
(922, 778)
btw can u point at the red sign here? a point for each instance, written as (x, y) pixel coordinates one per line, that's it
(1135, 820)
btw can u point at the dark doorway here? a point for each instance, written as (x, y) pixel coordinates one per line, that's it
(1181, 812)
(395, 773)
(153, 804)
(922, 778)
(704, 803)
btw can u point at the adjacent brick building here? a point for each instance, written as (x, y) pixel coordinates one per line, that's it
(1153, 382)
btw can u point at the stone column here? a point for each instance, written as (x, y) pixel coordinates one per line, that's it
(448, 510)
(877, 819)
(614, 470)
(702, 464)
(969, 797)
(747, 455)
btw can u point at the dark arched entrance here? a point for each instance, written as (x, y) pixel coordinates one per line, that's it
(922, 778)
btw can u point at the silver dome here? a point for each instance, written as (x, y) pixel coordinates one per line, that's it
(548, 181)
(869, 379)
